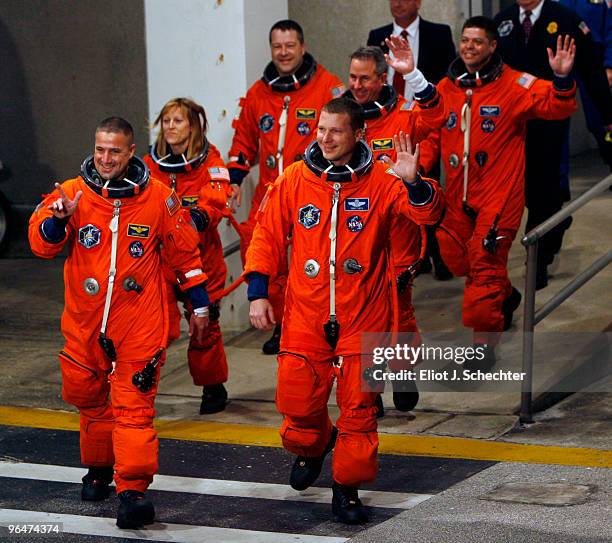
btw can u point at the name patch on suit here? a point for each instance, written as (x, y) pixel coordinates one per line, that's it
(357, 204)
(138, 230)
(489, 111)
(382, 144)
(306, 114)
(189, 201)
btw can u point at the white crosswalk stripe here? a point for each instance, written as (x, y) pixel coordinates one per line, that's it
(179, 533)
(217, 487)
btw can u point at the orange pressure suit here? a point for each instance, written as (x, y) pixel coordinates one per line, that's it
(273, 100)
(120, 432)
(385, 117)
(490, 204)
(202, 182)
(306, 203)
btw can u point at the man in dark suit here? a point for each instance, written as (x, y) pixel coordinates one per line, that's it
(433, 49)
(431, 43)
(526, 30)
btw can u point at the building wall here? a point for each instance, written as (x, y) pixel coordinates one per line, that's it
(65, 66)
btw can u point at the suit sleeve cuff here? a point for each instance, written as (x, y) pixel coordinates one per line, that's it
(420, 192)
(198, 296)
(563, 83)
(53, 230)
(258, 286)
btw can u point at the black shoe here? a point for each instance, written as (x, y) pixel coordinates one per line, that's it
(272, 346)
(214, 399)
(424, 267)
(134, 510)
(509, 306)
(541, 276)
(306, 469)
(406, 396)
(380, 408)
(347, 506)
(96, 484)
(481, 364)
(441, 272)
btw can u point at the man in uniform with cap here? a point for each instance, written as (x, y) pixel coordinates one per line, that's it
(116, 223)
(277, 120)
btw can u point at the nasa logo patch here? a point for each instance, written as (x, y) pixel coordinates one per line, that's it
(487, 125)
(136, 249)
(89, 236)
(266, 122)
(303, 128)
(309, 216)
(354, 223)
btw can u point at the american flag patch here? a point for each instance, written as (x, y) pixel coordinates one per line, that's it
(219, 173)
(338, 91)
(173, 203)
(408, 105)
(583, 26)
(526, 80)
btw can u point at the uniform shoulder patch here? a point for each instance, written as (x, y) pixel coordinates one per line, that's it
(338, 91)
(173, 203)
(525, 80)
(221, 174)
(583, 26)
(391, 171)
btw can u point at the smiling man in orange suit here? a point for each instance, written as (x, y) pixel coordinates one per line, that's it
(339, 205)
(277, 120)
(116, 222)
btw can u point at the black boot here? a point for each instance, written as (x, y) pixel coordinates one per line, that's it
(405, 395)
(306, 469)
(347, 506)
(134, 510)
(96, 484)
(509, 306)
(380, 408)
(272, 346)
(481, 364)
(214, 399)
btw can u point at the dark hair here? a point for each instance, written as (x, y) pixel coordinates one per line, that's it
(374, 53)
(287, 24)
(116, 125)
(485, 23)
(348, 106)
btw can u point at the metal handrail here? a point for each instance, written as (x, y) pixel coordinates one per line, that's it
(531, 318)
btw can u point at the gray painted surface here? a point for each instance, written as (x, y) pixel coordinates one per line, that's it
(65, 66)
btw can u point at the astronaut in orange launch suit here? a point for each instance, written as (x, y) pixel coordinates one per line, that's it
(113, 219)
(338, 205)
(277, 120)
(386, 114)
(482, 147)
(186, 161)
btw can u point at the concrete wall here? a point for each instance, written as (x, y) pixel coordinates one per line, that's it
(64, 67)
